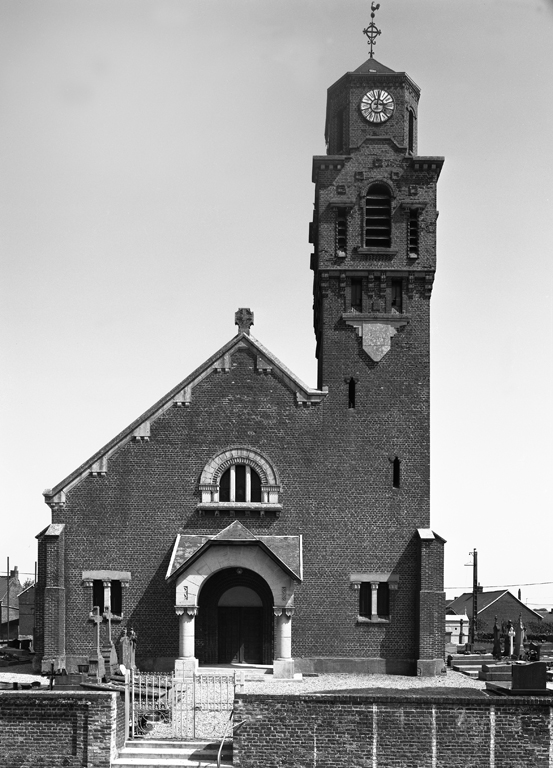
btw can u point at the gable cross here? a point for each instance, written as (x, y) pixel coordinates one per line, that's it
(244, 320)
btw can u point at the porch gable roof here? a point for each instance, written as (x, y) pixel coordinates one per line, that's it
(284, 550)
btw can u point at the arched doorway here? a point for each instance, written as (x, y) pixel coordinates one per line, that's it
(235, 619)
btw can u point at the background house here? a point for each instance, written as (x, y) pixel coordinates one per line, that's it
(500, 603)
(27, 615)
(9, 598)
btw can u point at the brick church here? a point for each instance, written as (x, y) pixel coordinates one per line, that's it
(248, 518)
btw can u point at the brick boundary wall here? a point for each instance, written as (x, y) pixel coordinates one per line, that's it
(393, 731)
(61, 729)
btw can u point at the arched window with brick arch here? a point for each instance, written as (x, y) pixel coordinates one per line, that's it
(240, 482)
(239, 476)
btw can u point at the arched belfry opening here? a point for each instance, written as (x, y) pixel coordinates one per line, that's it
(235, 619)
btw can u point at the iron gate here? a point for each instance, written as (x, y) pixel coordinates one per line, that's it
(165, 706)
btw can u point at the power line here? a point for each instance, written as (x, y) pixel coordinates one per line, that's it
(500, 586)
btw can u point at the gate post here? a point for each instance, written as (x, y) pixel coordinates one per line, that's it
(186, 665)
(283, 664)
(127, 675)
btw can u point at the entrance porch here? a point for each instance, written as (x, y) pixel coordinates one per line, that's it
(234, 599)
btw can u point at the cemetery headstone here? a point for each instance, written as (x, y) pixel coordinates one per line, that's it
(530, 677)
(96, 664)
(519, 631)
(496, 651)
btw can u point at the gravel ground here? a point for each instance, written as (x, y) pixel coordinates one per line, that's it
(363, 684)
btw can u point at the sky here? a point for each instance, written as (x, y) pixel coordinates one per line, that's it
(155, 175)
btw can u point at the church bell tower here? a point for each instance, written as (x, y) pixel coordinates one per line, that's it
(374, 259)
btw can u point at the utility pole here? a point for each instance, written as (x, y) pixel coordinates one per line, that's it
(472, 637)
(8, 599)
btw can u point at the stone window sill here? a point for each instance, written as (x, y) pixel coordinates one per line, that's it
(377, 620)
(383, 252)
(238, 509)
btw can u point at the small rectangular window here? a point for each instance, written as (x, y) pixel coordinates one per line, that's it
(340, 130)
(356, 294)
(351, 393)
(411, 131)
(413, 232)
(341, 229)
(383, 600)
(98, 594)
(396, 473)
(397, 295)
(116, 596)
(366, 601)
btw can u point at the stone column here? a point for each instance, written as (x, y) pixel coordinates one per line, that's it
(283, 664)
(374, 599)
(187, 664)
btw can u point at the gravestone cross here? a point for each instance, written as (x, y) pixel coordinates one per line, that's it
(96, 665)
(496, 652)
(113, 667)
(519, 638)
(511, 637)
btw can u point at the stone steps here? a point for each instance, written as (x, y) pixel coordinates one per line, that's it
(253, 672)
(471, 664)
(149, 753)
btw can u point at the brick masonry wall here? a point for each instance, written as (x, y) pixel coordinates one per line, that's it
(339, 497)
(51, 729)
(392, 731)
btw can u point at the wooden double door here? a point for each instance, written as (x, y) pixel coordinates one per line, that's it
(240, 635)
(240, 631)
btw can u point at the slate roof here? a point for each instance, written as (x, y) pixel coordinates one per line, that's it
(284, 550)
(371, 66)
(484, 600)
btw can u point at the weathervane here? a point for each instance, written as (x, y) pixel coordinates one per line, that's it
(372, 30)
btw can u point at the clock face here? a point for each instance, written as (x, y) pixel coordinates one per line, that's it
(377, 106)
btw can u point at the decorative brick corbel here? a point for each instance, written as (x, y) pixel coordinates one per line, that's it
(370, 284)
(183, 398)
(99, 468)
(410, 285)
(223, 365)
(142, 433)
(262, 366)
(56, 502)
(428, 282)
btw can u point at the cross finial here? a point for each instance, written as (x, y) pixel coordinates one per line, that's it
(244, 320)
(372, 30)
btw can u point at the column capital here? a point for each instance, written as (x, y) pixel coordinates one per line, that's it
(286, 610)
(189, 610)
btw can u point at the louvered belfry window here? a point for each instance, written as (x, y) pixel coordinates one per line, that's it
(378, 217)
